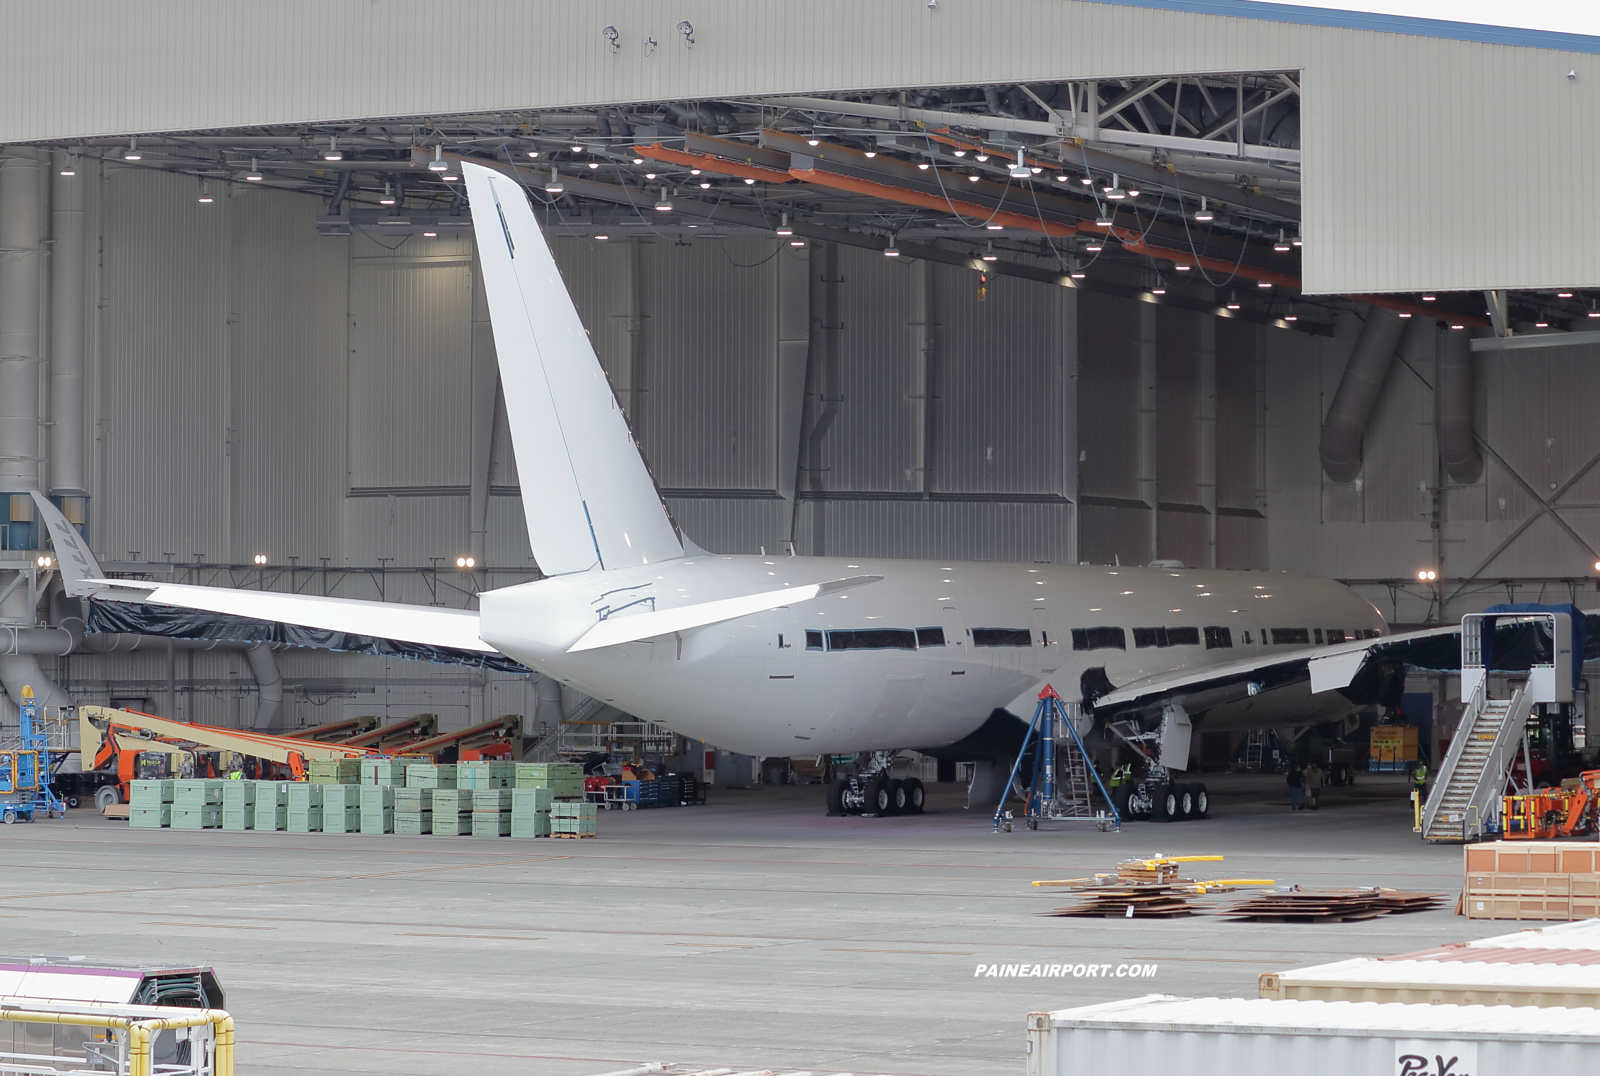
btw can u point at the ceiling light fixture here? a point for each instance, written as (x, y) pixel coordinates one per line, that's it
(694, 171)
(748, 182)
(973, 177)
(1077, 274)
(988, 252)
(70, 168)
(1427, 298)
(450, 177)
(705, 186)
(132, 152)
(961, 153)
(1104, 219)
(1282, 245)
(1061, 177)
(797, 242)
(995, 227)
(1115, 192)
(650, 175)
(554, 185)
(1160, 288)
(1204, 214)
(891, 251)
(638, 160)
(332, 152)
(1263, 284)
(1541, 325)
(602, 237)
(1427, 575)
(1563, 295)
(535, 153)
(254, 175)
(870, 153)
(1095, 247)
(813, 140)
(924, 166)
(783, 226)
(430, 235)
(1291, 317)
(1233, 300)
(388, 195)
(1181, 268)
(1295, 241)
(981, 157)
(1019, 170)
(1086, 180)
(205, 193)
(577, 149)
(438, 163)
(594, 164)
(663, 203)
(1405, 313)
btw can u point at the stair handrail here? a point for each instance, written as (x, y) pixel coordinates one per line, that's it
(1491, 784)
(1458, 745)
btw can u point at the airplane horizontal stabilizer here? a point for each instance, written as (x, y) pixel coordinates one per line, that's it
(628, 629)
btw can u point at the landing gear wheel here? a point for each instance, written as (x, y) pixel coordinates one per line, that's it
(1202, 802)
(879, 801)
(1166, 805)
(106, 796)
(897, 796)
(915, 796)
(836, 797)
(1185, 795)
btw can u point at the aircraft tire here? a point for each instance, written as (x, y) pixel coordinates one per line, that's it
(916, 796)
(836, 797)
(1166, 803)
(879, 801)
(1185, 794)
(1202, 802)
(897, 796)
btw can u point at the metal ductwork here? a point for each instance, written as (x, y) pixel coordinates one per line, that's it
(1458, 451)
(68, 285)
(21, 286)
(34, 641)
(269, 682)
(1358, 390)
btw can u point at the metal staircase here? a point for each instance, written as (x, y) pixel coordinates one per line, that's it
(1465, 799)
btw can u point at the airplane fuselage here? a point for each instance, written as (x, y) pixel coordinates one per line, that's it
(920, 658)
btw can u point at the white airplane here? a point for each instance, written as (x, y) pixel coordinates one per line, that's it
(789, 655)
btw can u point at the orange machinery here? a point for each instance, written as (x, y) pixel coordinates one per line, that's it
(1552, 812)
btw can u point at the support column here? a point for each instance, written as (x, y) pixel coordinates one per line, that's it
(68, 476)
(485, 373)
(793, 302)
(1147, 416)
(924, 341)
(21, 298)
(1206, 358)
(824, 376)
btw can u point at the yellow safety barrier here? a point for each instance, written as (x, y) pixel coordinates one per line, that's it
(140, 1031)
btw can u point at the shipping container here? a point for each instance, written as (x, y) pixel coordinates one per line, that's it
(1257, 1037)
(1449, 977)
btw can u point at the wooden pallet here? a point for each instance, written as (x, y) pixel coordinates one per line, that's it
(572, 836)
(1147, 901)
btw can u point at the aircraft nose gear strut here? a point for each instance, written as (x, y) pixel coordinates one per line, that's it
(875, 791)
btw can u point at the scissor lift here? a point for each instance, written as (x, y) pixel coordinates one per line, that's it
(29, 762)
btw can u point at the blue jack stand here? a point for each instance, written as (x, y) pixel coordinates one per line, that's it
(1070, 799)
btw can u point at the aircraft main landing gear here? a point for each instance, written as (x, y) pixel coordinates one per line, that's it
(873, 793)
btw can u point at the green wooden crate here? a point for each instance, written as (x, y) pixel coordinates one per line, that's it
(452, 799)
(383, 771)
(149, 793)
(413, 799)
(341, 820)
(303, 796)
(572, 825)
(414, 825)
(341, 797)
(237, 795)
(238, 819)
(573, 810)
(537, 825)
(334, 767)
(308, 820)
(531, 801)
(154, 817)
(424, 775)
(377, 820)
(452, 824)
(491, 799)
(490, 824)
(376, 797)
(270, 817)
(196, 792)
(206, 817)
(270, 793)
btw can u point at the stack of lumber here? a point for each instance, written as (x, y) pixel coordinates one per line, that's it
(1137, 901)
(1397, 903)
(1307, 906)
(413, 811)
(1532, 880)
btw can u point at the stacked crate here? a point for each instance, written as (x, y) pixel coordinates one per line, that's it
(492, 773)
(413, 811)
(197, 804)
(491, 812)
(530, 812)
(238, 805)
(341, 808)
(304, 814)
(272, 805)
(563, 779)
(452, 811)
(150, 804)
(423, 775)
(334, 771)
(568, 819)
(1532, 880)
(377, 809)
(389, 772)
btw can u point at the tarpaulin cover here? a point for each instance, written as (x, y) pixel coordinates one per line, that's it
(164, 620)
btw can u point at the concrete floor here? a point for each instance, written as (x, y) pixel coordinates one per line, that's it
(752, 933)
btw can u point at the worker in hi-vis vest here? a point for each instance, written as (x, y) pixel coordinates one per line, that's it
(1420, 779)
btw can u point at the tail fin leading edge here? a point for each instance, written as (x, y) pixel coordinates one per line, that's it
(588, 498)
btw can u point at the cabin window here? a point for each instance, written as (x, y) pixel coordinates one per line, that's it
(1247, 640)
(1149, 637)
(1099, 639)
(1183, 636)
(1368, 633)
(930, 636)
(1337, 635)
(813, 640)
(1291, 636)
(1220, 639)
(1316, 633)
(1002, 637)
(872, 639)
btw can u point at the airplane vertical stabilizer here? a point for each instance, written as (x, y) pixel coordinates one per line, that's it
(589, 501)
